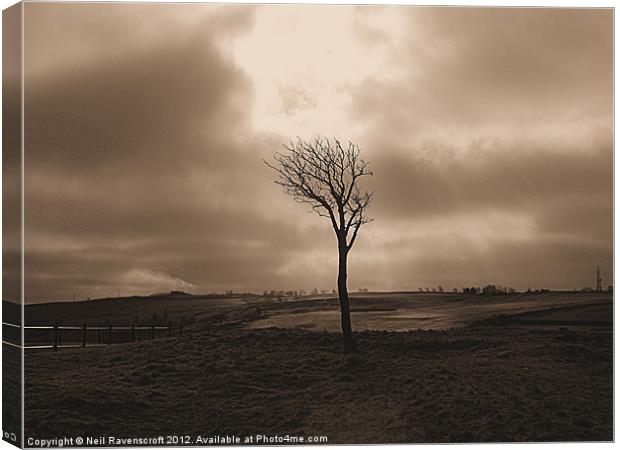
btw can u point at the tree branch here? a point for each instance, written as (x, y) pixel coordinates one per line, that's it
(326, 176)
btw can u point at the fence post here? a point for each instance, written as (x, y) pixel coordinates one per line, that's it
(84, 335)
(55, 337)
(109, 333)
(169, 329)
(99, 336)
(152, 332)
(59, 336)
(133, 332)
(139, 335)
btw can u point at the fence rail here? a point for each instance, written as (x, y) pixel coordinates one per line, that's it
(104, 335)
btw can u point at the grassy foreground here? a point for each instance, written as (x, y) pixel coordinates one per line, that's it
(460, 385)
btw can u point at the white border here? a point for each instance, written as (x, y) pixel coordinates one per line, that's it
(515, 3)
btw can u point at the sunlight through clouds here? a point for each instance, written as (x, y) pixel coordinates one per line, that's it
(311, 56)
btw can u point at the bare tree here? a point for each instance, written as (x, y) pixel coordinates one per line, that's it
(325, 174)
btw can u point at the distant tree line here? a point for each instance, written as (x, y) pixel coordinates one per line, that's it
(433, 289)
(536, 291)
(279, 293)
(489, 289)
(275, 293)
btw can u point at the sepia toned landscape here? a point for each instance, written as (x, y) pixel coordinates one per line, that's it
(335, 223)
(431, 368)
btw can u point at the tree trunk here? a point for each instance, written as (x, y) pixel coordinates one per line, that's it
(343, 294)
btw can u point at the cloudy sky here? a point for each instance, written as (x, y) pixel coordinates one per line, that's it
(489, 132)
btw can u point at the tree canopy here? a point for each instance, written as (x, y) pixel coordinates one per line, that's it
(325, 174)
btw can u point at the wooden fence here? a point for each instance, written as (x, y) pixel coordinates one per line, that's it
(62, 336)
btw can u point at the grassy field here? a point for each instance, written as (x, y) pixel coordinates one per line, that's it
(486, 380)
(411, 311)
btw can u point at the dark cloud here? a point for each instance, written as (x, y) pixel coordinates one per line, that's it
(157, 109)
(471, 66)
(491, 145)
(138, 158)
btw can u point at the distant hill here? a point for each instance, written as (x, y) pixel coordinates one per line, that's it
(173, 294)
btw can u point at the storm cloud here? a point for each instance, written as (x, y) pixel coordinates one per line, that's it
(489, 132)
